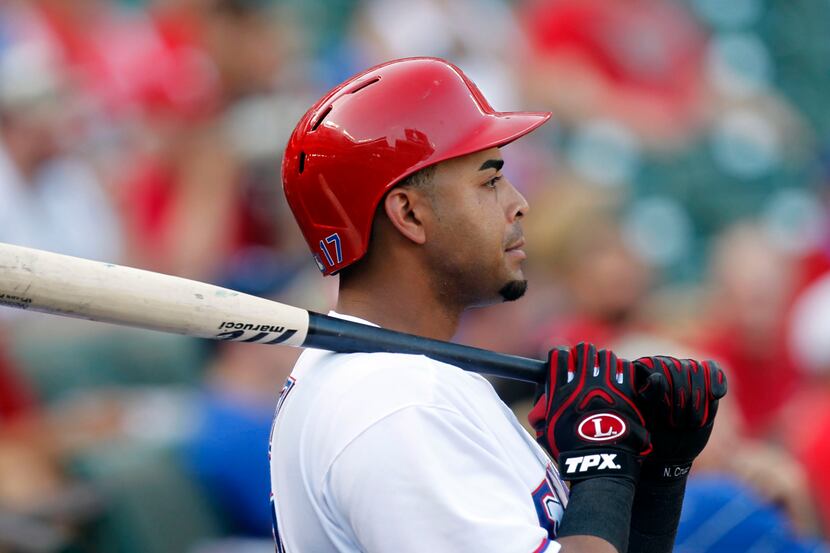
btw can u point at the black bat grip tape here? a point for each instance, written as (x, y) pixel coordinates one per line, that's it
(333, 334)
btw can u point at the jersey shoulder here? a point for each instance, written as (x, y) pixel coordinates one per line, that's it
(386, 380)
(348, 393)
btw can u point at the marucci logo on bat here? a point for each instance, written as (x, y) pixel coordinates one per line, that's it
(250, 326)
(19, 302)
(264, 333)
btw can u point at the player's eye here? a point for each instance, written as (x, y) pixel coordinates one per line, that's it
(493, 182)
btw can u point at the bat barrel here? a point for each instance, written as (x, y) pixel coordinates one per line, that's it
(349, 337)
(47, 282)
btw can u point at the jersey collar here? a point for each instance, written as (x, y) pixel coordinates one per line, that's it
(337, 315)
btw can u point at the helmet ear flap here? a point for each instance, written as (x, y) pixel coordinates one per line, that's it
(371, 132)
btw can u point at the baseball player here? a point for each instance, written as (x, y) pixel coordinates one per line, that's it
(395, 178)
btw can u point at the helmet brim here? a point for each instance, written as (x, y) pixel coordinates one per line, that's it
(499, 129)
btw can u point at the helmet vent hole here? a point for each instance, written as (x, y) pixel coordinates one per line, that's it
(321, 118)
(302, 161)
(363, 85)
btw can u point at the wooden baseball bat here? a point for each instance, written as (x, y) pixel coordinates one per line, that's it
(37, 280)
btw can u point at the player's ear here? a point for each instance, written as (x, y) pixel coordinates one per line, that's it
(405, 208)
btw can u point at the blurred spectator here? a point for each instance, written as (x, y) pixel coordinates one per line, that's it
(39, 504)
(201, 202)
(228, 451)
(16, 397)
(49, 197)
(180, 186)
(578, 243)
(637, 63)
(26, 471)
(481, 36)
(745, 328)
(721, 515)
(169, 77)
(806, 423)
(181, 203)
(763, 474)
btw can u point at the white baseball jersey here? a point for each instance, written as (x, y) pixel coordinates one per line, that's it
(379, 452)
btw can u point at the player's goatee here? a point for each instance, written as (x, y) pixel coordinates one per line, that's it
(513, 290)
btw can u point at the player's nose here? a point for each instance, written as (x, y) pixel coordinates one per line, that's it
(518, 206)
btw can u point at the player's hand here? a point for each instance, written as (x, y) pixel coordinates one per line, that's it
(587, 417)
(680, 411)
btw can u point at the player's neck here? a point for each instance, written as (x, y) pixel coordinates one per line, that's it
(402, 305)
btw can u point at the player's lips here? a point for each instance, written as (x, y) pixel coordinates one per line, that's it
(516, 250)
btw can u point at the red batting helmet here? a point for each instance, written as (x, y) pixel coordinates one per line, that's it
(372, 131)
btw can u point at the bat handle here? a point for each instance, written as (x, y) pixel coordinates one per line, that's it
(343, 336)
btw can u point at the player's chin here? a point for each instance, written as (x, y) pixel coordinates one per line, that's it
(513, 270)
(513, 290)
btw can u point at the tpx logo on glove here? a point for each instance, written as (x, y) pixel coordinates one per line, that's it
(602, 461)
(602, 427)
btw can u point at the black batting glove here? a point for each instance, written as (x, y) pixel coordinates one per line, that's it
(586, 415)
(680, 411)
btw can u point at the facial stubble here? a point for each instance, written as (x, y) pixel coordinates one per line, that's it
(513, 290)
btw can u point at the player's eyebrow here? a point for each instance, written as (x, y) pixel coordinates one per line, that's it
(496, 164)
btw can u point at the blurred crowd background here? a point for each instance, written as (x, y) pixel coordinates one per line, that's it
(680, 204)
